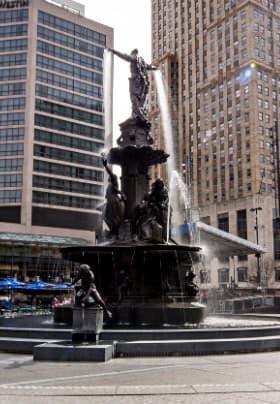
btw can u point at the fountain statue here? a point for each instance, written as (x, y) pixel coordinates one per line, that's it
(146, 279)
(87, 295)
(139, 82)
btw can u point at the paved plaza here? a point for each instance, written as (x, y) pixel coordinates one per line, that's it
(246, 378)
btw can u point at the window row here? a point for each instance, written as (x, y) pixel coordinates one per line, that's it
(7, 104)
(242, 275)
(11, 134)
(12, 89)
(12, 74)
(69, 70)
(66, 155)
(13, 59)
(66, 112)
(71, 28)
(61, 140)
(13, 44)
(11, 164)
(68, 98)
(13, 16)
(10, 180)
(11, 149)
(70, 42)
(69, 127)
(67, 186)
(64, 200)
(68, 171)
(10, 196)
(13, 30)
(70, 84)
(16, 118)
(69, 55)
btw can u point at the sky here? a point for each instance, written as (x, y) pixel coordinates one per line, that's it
(131, 22)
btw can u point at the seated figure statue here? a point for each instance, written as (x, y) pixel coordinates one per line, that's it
(87, 294)
(151, 213)
(190, 287)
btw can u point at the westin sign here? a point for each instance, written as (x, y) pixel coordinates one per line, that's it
(13, 3)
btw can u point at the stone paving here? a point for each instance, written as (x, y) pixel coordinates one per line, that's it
(250, 378)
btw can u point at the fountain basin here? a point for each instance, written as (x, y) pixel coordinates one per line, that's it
(143, 284)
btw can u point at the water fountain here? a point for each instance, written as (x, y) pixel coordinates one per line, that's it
(146, 278)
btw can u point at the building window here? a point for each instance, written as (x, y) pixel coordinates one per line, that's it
(276, 234)
(223, 222)
(11, 164)
(14, 16)
(242, 274)
(68, 171)
(10, 196)
(71, 28)
(223, 275)
(242, 223)
(277, 274)
(205, 276)
(64, 200)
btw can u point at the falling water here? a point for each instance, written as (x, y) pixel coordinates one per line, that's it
(179, 194)
(180, 201)
(108, 116)
(108, 98)
(166, 121)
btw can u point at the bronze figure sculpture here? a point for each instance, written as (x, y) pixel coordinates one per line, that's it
(87, 294)
(115, 206)
(138, 82)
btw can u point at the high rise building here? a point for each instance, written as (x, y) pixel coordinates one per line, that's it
(221, 62)
(51, 134)
(51, 118)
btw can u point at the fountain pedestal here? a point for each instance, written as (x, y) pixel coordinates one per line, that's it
(87, 324)
(135, 155)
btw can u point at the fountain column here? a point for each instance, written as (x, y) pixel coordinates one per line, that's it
(133, 157)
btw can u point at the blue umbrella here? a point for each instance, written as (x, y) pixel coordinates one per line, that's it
(39, 285)
(10, 283)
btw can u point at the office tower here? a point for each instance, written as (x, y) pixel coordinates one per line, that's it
(51, 118)
(221, 61)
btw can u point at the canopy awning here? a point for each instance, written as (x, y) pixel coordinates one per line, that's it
(223, 244)
(21, 238)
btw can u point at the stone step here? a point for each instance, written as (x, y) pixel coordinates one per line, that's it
(197, 347)
(37, 333)
(67, 351)
(143, 334)
(188, 334)
(21, 345)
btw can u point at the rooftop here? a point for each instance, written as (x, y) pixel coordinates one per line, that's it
(69, 5)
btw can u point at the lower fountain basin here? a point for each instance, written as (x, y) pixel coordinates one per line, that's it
(143, 284)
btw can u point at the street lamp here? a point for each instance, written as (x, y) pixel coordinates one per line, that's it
(275, 142)
(256, 210)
